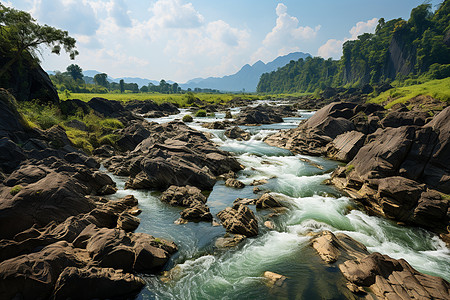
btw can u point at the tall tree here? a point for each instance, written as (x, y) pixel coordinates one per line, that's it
(75, 71)
(122, 85)
(101, 79)
(20, 33)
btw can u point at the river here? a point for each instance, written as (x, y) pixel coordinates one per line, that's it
(205, 272)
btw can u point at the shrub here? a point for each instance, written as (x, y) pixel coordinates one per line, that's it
(15, 190)
(109, 139)
(187, 118)
(200, 113)
(111, 124)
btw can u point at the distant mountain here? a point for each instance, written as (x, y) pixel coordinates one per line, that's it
(247, 78)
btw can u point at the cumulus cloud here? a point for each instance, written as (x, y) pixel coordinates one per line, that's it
(285, 36)
(333, 48)
(120, 14)
(175, 14)
(75, 16)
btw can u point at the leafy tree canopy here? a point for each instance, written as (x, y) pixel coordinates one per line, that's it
(20, 33)
(75, 71)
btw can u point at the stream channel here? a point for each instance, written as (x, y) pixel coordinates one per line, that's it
(205, 272)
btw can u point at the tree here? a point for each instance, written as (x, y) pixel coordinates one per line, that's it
(144, 89)
(101, 79)
(20, 33)
(75, 71)
(122, 85)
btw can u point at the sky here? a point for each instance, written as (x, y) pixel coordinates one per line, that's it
(184, 39)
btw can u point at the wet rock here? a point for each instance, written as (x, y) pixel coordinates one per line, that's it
(217, 125)
(197, 213)
(259, 182)
(332, 247)
(234, 183)
(261, 114)
(244, 201)
(238, 134)
(229, 241)
(185, 196)
(267, 201)
(389, 278)
(96, 283)
(274, 279)
(269, 224)
(240, 220)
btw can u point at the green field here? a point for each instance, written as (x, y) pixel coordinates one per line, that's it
(438, 89)
(180, 99)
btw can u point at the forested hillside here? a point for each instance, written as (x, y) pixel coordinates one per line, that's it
(399, 49)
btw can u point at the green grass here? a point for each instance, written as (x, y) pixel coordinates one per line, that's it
(180, 99)
(438, 89)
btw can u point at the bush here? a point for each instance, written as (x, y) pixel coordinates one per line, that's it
(187, 118)
(109, 139)
(200, 113)
(15, 190)
(111, 124)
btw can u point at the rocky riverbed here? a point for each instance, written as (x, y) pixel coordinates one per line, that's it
(209, 210)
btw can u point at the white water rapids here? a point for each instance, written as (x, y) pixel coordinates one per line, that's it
(204, 272)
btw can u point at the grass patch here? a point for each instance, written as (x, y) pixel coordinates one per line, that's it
(15, 190)
(349, 168)
(438, 89)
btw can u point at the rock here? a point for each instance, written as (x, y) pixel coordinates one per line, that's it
(229, 241)
(71, 106)
(404, 118)
(234, 183)
(228, 115)
(173, 154)
(258, 115)
(186, 196)
(114, 248)
(259, 182)
(148, 107)
(133, 134)
(274, 279)
(12, 124)
(237, 133)
(311, 137)
(332, 248)
(77, 124)
(217, 124)
(269, 224)
(389, 278)
(128, 222)
(345, 146)
(96, 283)
(11, 155)
(244, 201)
(267, 201)
(104, 151)
(240, 220)
(197, 213)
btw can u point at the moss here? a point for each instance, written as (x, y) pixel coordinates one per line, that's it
(349, 168)
(200, 113)
(187, 118)
(15, 190)
(111, 124)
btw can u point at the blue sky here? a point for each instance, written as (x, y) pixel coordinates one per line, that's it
(184, 39)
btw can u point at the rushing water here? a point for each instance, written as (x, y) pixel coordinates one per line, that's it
(204, 272)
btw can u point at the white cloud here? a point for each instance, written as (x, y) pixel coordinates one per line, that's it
(77, 17)
(333, 48)
(120, 14)
(175, 14)
(285, 37)
(362, 27)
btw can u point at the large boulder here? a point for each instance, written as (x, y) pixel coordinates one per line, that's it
(237, 134)
(173, 154)
(183, 196)
(345, 146)
(389, 278)
(262, 114)
(239, 219)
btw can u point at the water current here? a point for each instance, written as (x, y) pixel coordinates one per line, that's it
(205, 272)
